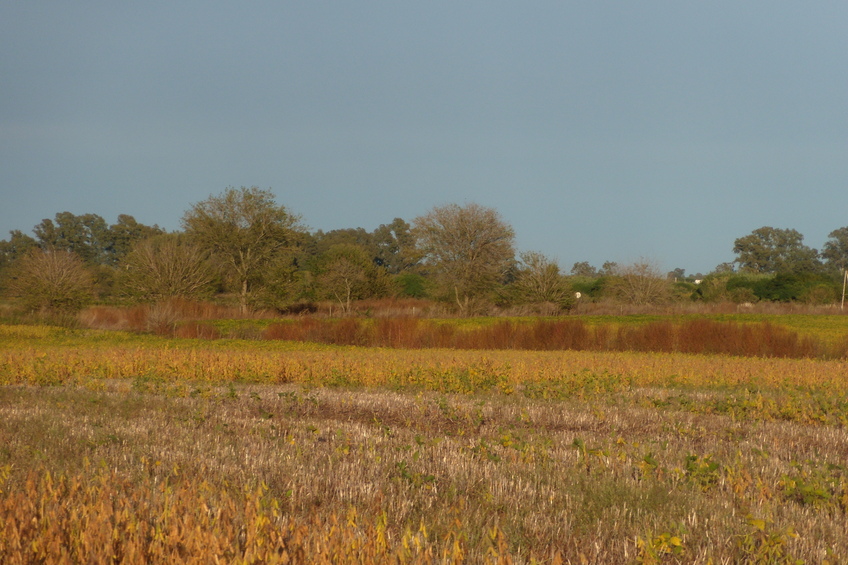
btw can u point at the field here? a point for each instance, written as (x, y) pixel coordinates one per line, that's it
(127, 448)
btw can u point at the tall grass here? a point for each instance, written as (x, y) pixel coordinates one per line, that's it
(404, 324)
(162, 317)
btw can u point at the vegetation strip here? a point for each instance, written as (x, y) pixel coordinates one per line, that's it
(242, 248)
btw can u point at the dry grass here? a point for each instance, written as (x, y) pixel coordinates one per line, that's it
(788, 331)
(163, 317)
(254, 473)
(752, 339)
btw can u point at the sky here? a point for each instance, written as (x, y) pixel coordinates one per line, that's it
(600, 131)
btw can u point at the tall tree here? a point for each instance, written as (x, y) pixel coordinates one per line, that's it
(469, 248)
(90, 237)
(584, 269)
(321, 242)
(396, 250)
(245, 229)
(85, 235)
(677, 274)
(124, 234)
(835, 250)
(774, 250)
(723, 268)
(17, 245)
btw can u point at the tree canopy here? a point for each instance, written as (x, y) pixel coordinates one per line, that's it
(244, 229)
(835, 250)
(469, 248)
(90, 237)
(773, 250)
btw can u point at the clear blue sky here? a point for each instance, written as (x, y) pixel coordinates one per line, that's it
(600, 130)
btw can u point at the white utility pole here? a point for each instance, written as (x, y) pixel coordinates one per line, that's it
(844, 281)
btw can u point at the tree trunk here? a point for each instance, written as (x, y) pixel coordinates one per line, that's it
(462, 303)
(243, 297)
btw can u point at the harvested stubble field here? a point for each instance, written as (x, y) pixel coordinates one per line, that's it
(136, 449)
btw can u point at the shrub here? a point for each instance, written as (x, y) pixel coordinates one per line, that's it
(51, 280)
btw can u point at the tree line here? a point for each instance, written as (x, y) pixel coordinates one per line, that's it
(243, 245)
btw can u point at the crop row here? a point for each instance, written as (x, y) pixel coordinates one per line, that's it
(34, 363)
(801, 390)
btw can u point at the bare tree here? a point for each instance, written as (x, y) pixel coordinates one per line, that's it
(245, 229)
(469, 248)
(539, 280)
(642, 282)
(166, 266)
(51, 280)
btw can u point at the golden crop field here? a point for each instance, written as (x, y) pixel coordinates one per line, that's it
(123, 448)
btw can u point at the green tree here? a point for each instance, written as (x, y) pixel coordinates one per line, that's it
(723, 268)
(411, 284)
(85, 235)
(284, 282)
(796, 287)
(124, 234)
(359, 237)
(166, 266)
(395, 244)
(469, 249)
(677, 274)
(835, 250)
(346, 273)
(15, 248)
(245, 230)
(90, 237)
(774, 250)
(608, 269)
(713, 287)
(52, 281)
(584, 269)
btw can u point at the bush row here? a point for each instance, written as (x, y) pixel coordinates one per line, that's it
(695, 336)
